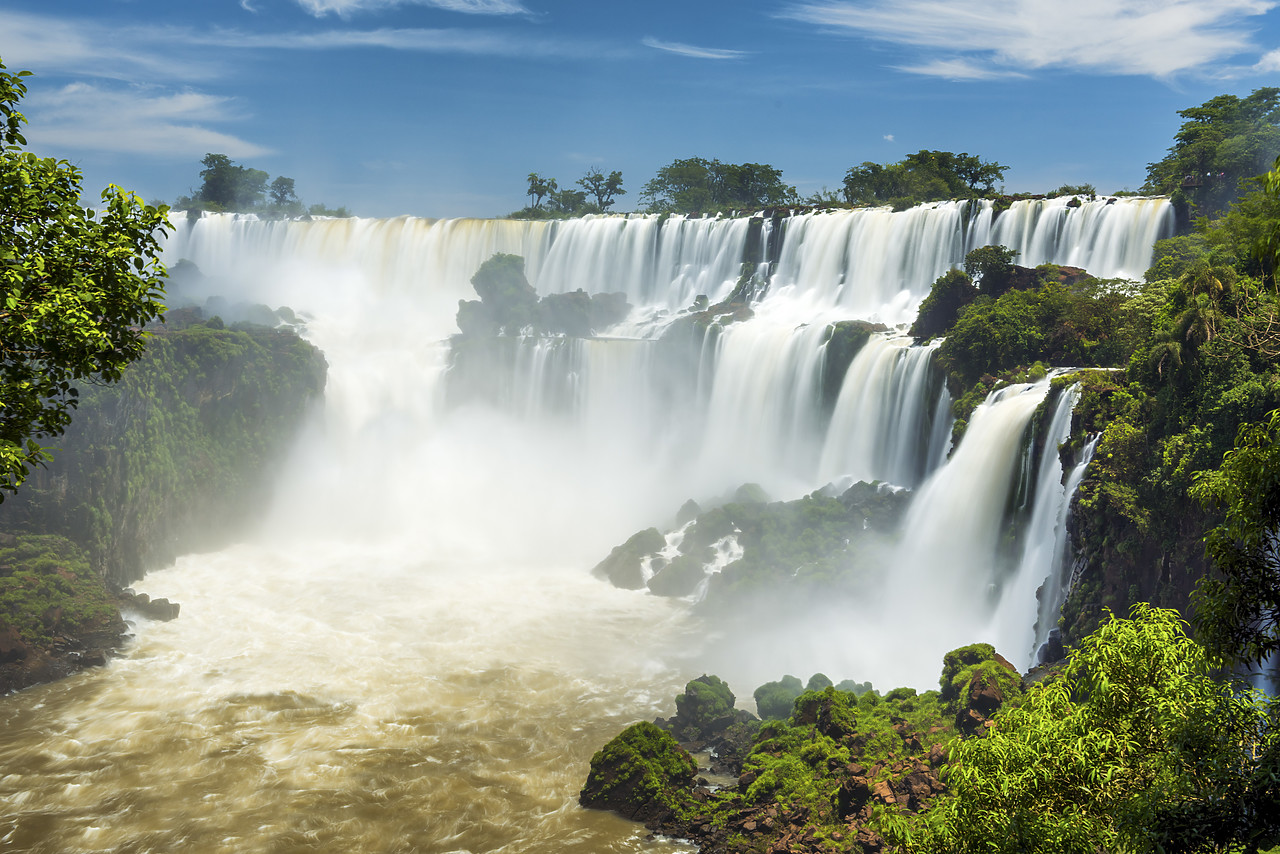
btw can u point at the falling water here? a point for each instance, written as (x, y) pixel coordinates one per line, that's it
(408, 654)
(1044, 544)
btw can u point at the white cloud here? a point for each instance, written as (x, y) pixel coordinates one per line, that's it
(70, 47)
(959, 69)
(84, 117)
(346, 8)
(1158, 38)
(692, 50)
(888, 137)
(1269, 64)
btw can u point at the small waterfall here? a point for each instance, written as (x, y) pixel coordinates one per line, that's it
(883, 424)
(655, 262)
(1056, 585)
(948, 565)
(1044, 542)
(764, 414)
(1111, 238)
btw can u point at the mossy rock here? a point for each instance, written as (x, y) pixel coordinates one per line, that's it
(706, 704)
(775, 700)
(682, 576)
(643, 775)
(832, 712)
(977, 678)
(622, 567)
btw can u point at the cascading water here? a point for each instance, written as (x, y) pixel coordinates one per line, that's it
(1044, 544)
(882, 426)
(948, 565)
(409, 653)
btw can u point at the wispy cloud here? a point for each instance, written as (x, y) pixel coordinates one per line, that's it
(477, 42)
(75, 47)
(692, 50)
(85, 117)
(888, 137)
(1158, 38)
(143, 54)
(960, 69)
(347, 8)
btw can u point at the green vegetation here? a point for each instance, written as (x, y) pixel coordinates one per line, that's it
(925, 176)
(1223, 142)
(77, 286)
(47, 588)
(641, 773)
(774, 700)
(178, 451)
(698, 185)
(1238, 607)
(226, 186)
(568, 202)
(1135, 747)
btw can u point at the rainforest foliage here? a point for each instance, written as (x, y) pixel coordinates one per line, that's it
(175, 454)
(1135, 746)
(1223, 143)
(227, 186)
(77, 286)
(925, 176)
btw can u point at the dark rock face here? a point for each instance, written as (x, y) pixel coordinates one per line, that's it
(622, 568)
(509, 305)
(153, 609)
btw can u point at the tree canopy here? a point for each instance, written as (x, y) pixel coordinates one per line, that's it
(227, 186)
(698, 185)
(1135, 747)
(78, 285)
(1223, 141)
(925, 176)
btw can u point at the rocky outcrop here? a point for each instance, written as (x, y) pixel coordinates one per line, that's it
(643, 775)
(819, 780)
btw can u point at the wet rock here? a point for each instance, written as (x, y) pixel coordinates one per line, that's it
(623, 567)
(643, 775)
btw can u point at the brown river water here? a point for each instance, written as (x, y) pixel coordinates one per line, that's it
(314, 700)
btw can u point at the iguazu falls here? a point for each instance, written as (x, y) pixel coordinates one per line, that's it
(930, 511)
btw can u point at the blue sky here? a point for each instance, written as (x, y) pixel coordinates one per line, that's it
(443, 107)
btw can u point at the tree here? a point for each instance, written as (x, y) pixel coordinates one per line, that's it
(698, 185)
(77, 287)
(1238, 607)
(1222, 142)
(991, 268)
(939, 311)
(925, 176)
(604, 189)
(1135, 747)
(567, 201)
(282, 192)
(230, 187)
(538, 188)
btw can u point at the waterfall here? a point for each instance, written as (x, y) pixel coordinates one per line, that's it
(948, 565)
(882, 427)
(1044, 544)
(1111, 238)
(570, 445)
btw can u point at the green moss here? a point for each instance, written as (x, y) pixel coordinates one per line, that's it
(643, 768)
(47, 588)
(705, 700)
(774, 700)
(179, 452)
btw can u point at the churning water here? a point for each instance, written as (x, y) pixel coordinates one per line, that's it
(408, 654)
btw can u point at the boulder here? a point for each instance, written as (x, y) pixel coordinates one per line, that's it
(642, 775)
